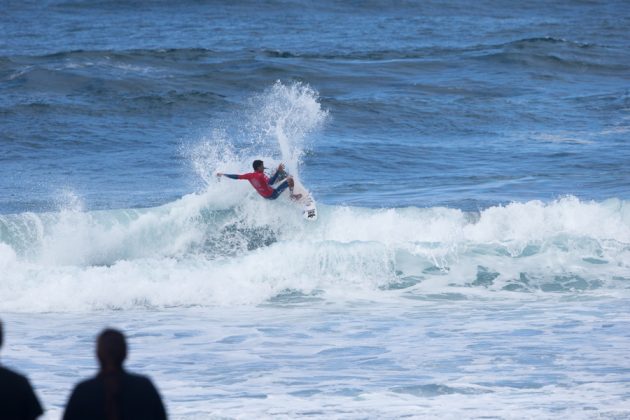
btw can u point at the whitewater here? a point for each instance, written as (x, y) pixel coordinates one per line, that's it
(471, 258)
(240, 308)
(227, 247)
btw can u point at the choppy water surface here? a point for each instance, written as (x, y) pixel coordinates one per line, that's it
(470, 164)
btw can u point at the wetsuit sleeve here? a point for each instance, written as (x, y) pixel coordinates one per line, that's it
(235, 176)
(272, 180)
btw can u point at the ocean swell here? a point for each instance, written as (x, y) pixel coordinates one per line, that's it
(226, 247)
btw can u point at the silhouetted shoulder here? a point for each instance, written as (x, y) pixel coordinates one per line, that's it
(140, 391)
(17, 398)
(85, 399)
(138, 399)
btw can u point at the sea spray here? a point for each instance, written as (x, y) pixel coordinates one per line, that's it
(275, 125)
(213, 152)
(285, 115)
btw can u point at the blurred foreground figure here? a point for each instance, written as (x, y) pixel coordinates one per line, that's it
(114, 394)
(17, 399)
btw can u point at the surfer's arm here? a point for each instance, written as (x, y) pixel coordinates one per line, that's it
(272, 180)
(233, 176)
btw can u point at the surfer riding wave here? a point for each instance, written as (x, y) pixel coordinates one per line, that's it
(263, 184)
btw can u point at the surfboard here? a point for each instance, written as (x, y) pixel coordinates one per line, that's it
(305, 202)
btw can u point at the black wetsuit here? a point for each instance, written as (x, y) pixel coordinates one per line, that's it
(17, 399)
(137, 399)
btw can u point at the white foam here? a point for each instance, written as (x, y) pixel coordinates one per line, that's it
(229, 247)
(405, 359)
(285, 115)
(276, 126)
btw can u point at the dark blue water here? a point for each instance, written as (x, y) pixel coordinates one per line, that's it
(470, 161)
(429, 104)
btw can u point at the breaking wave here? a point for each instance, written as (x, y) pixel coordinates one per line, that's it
(227, 247)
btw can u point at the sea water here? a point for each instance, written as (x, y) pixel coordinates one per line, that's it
(469, 160)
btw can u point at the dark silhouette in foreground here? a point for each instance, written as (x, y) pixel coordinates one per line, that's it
(114, 394)
(17, 399)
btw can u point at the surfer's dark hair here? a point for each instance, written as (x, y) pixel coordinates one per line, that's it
(257, 163)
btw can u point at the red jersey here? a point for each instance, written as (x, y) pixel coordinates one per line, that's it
(259, 181)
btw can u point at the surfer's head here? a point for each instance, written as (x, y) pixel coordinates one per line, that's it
(258, 165)
(111, 349)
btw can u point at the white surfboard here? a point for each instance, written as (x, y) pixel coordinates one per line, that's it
(305, 202)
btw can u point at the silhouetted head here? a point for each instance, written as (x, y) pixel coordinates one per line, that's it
(258, 165)
(1, 334)
(111, 349)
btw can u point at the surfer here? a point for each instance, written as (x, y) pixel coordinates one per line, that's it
(262, 183)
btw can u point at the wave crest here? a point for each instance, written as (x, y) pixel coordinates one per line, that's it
(226, 247)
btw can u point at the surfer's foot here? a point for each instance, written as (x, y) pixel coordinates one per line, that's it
(296, 196)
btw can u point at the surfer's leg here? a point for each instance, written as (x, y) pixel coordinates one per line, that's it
(276, 192)
(287, 183)
(273, 196)
(279, 175)
(291, 184)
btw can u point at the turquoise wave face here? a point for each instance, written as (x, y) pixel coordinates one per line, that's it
(205, 249)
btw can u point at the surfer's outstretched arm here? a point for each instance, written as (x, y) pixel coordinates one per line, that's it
(233, 176)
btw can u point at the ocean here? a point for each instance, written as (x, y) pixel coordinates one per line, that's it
(471, 167)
